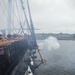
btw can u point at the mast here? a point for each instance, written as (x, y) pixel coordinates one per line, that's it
(31, 24)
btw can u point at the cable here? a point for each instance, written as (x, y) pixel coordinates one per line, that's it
(27, 26)
(14, 14)
(31, 23)
(25, 15)
(17, 9)
(19, 17)
(6, 15)
(13, 11)
(1, 13)
(3, 9)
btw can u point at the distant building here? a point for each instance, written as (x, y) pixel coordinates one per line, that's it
(60, 36)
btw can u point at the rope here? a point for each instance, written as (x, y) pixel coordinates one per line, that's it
(6, 10)
(17, 9)
(19, 17)
(13, 12)
(3, 9)
(1, 13)
(25, 14)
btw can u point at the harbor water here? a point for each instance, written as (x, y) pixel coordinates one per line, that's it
(59, 61)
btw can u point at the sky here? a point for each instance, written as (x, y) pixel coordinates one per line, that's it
(51, 16)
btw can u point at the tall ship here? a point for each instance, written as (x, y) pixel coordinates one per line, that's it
(17, 36)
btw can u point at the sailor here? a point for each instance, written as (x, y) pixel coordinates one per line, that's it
(9, 37)
(15, 36)
(25, 36)
(2, 38)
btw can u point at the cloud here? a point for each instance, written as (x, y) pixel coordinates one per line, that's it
(51, 15)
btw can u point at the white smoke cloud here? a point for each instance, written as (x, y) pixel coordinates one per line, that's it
(51, 43)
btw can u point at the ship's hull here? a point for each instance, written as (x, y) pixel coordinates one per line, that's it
(13, 53)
